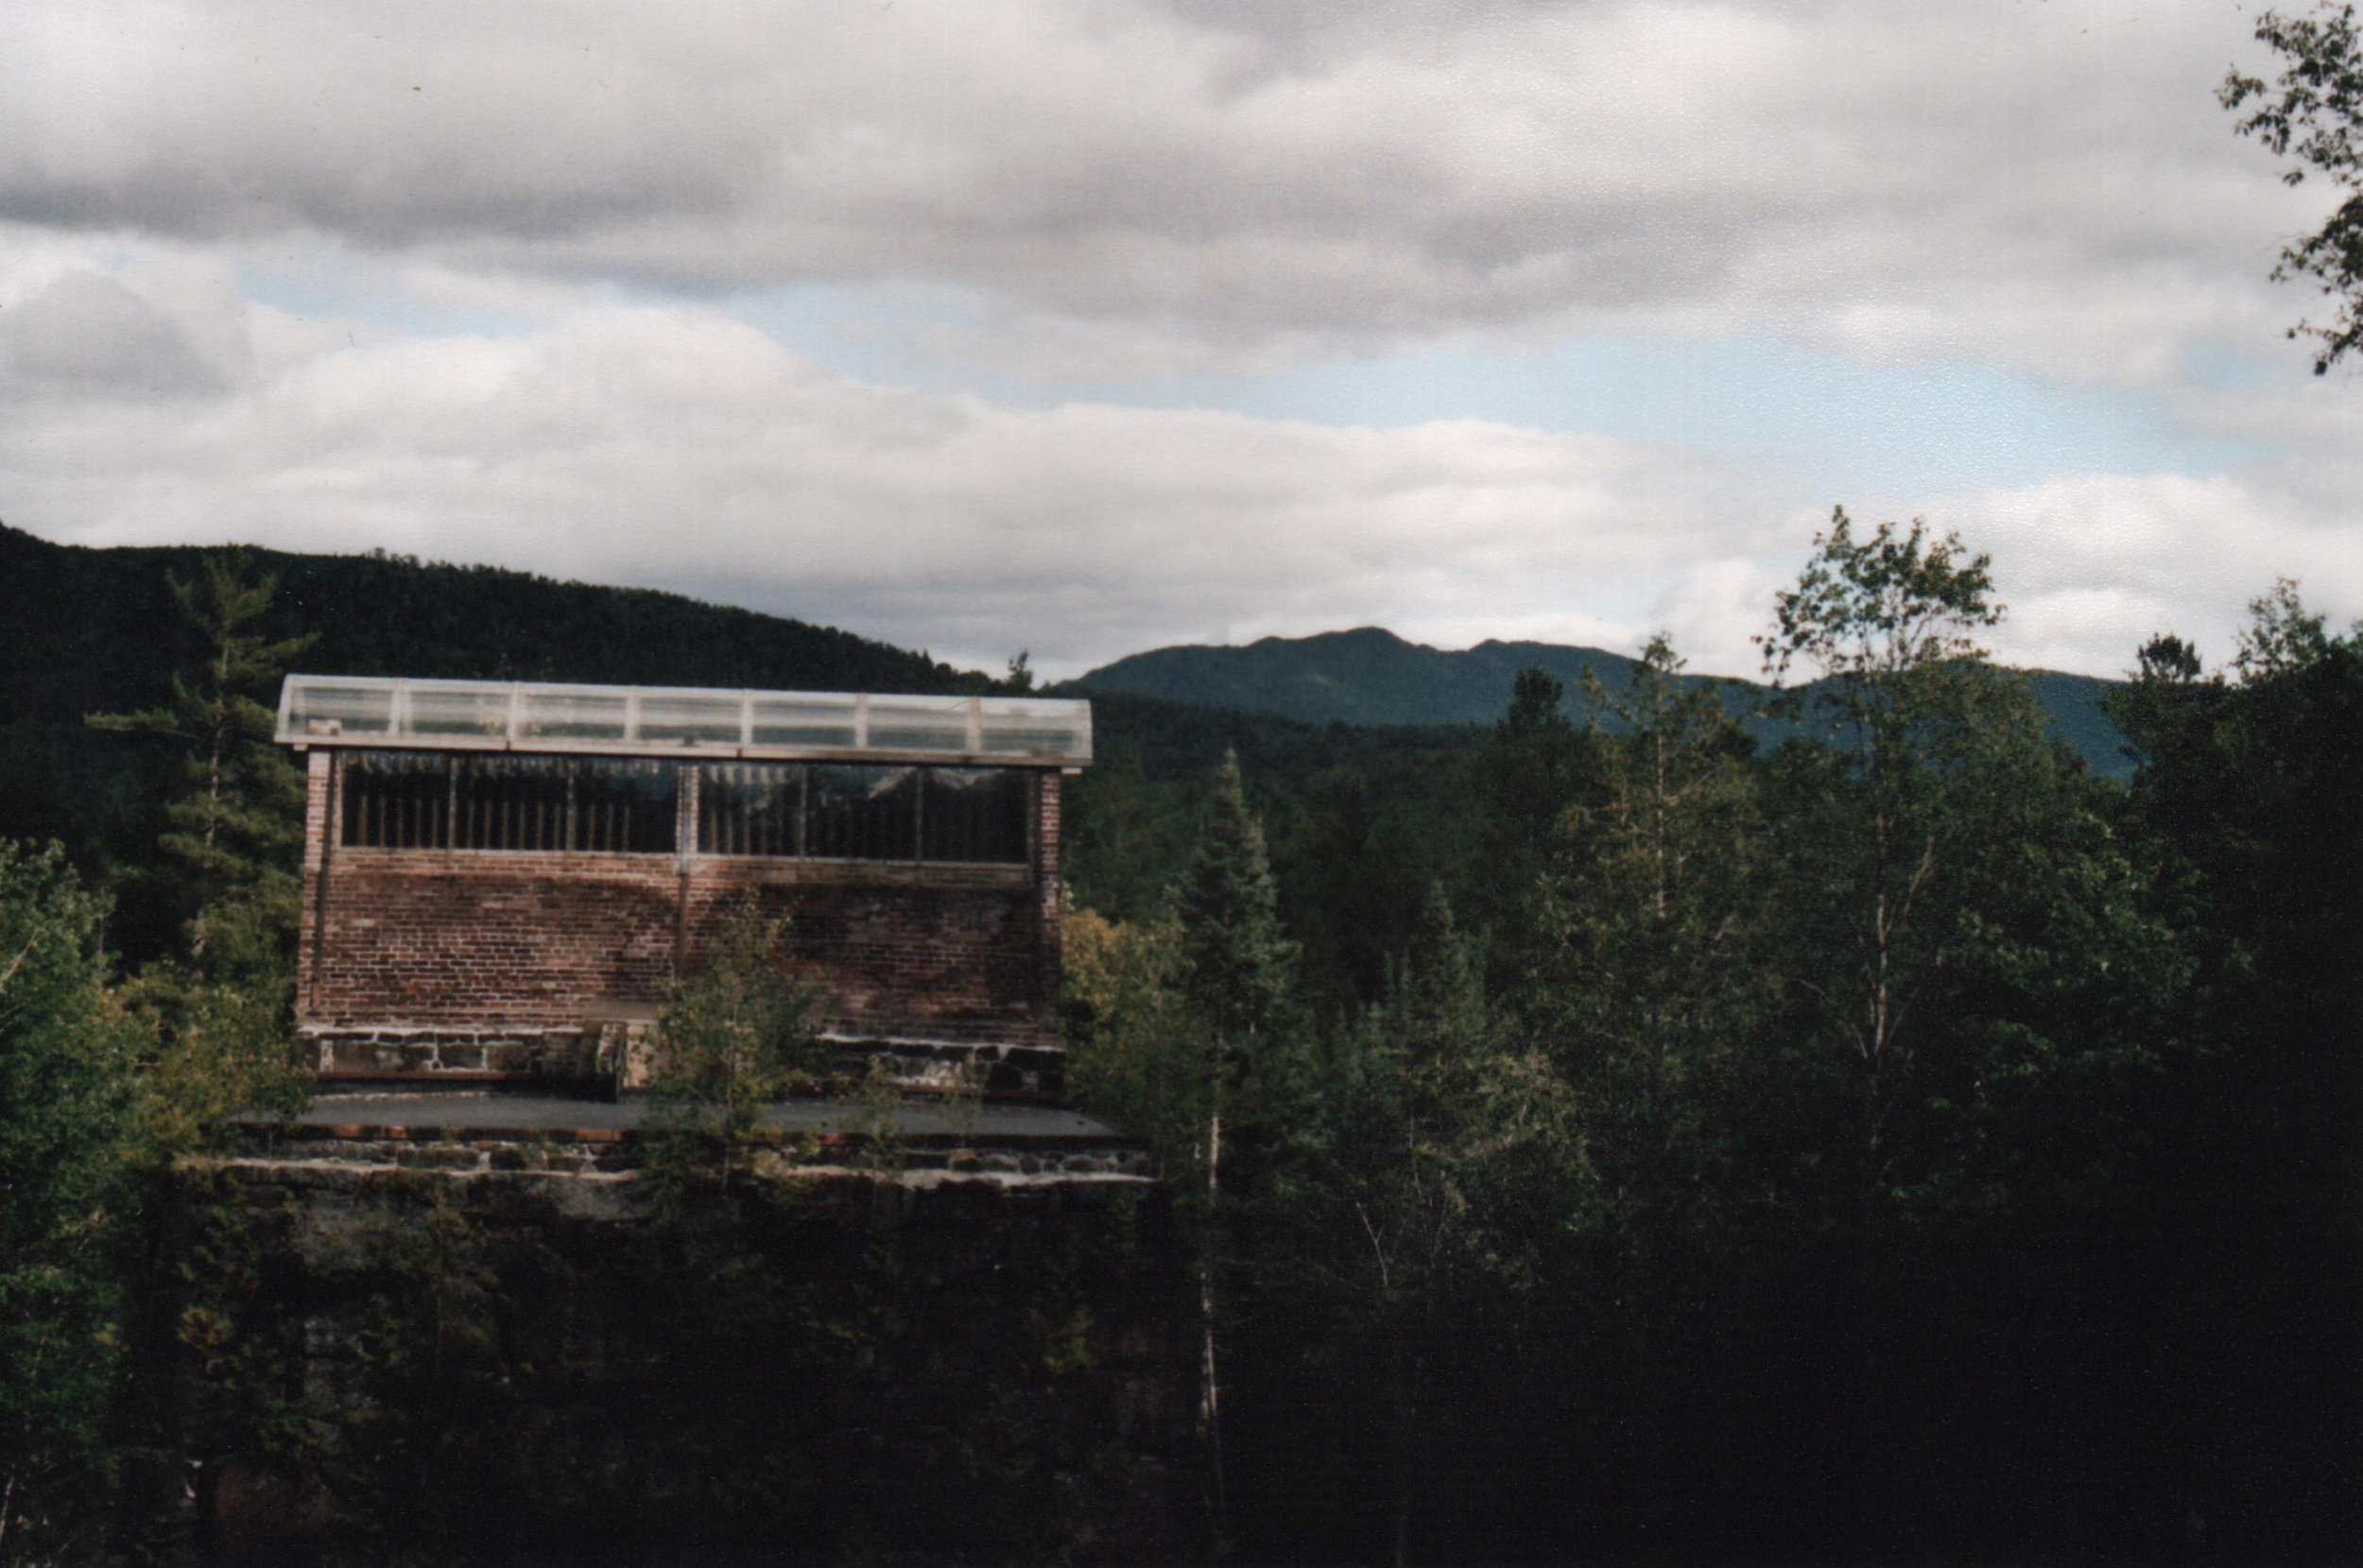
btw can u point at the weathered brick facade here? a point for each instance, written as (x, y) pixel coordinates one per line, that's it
(516, 964)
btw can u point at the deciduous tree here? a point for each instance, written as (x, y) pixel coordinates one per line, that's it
(2314, 113)
(735, 1037)
(68, 1059)
(1915, 721)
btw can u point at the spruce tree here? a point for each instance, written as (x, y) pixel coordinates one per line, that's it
(234, 852)
(1236, 961)
(1235, 976)
(237, 828)
(1535, 768)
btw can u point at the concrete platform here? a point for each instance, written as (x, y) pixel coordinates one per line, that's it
(493, 1114)
(464, 1131)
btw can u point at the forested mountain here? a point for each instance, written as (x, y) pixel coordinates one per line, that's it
(98, 630)
(91, 629)
(1898, 1142)
(1370, 676)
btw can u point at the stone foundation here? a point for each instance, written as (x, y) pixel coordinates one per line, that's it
(406, 1348)
(579, 1055)
(614, 1056)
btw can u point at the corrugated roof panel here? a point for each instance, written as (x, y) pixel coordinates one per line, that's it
(369, 711)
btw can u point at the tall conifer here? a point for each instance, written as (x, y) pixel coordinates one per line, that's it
(1236, 959)
(1235, 973)
(237, 828)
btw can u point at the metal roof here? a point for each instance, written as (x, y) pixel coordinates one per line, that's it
(681, 721)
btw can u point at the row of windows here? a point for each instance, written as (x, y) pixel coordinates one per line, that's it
(443, 800)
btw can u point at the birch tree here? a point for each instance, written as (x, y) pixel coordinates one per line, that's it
(1913, 719)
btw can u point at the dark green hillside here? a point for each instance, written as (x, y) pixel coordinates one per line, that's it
(1366, 676)
(1389, 798)
(92, 629)
(97, 630)
(1370, 676)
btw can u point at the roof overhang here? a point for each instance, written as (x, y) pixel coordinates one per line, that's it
(689, 722)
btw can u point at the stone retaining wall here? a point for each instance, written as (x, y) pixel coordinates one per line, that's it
(392, 1349)
(610, 1056)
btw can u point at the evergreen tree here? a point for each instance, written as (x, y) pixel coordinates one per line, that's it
(1653, 905)
(1649, 988)
(1236, 961)
(237, 828)
(1235, 977)
(233, 854)
(1124, 839)
(1407, 1203)
(1534, 768)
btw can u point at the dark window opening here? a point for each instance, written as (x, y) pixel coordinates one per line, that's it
(431, 801)
(861, 813)
(441, 801)
(751, 808)
(973, 814)
(829, 812)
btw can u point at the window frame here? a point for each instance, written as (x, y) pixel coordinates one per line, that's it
(692, 824)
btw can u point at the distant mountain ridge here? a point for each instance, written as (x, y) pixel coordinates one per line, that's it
(1369, 676)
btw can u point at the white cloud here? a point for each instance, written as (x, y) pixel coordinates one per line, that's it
(2048, 185)
(87, 334)
(680, 447)
(1122, 188)
(2092, 566)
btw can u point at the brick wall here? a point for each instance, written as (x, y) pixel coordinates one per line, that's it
(509, 939)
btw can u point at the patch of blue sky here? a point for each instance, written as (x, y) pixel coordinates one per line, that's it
(893, 335)
(2223, 368)
(1885, 429)
(1891, 429)
(373, 298)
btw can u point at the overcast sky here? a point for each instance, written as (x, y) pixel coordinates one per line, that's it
(1087, 328)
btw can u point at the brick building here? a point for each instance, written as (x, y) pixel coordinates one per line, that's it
(501, 880)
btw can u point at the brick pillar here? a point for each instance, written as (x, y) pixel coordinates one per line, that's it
(1049, 898)
(685, 863)
(318, 800)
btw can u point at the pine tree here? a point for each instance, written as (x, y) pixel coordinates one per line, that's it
(235, 849)
(237, 829)
(1236, 961)
(1235, 976)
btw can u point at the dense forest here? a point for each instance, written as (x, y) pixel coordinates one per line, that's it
(1593, 1140)
(1905, 1142)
